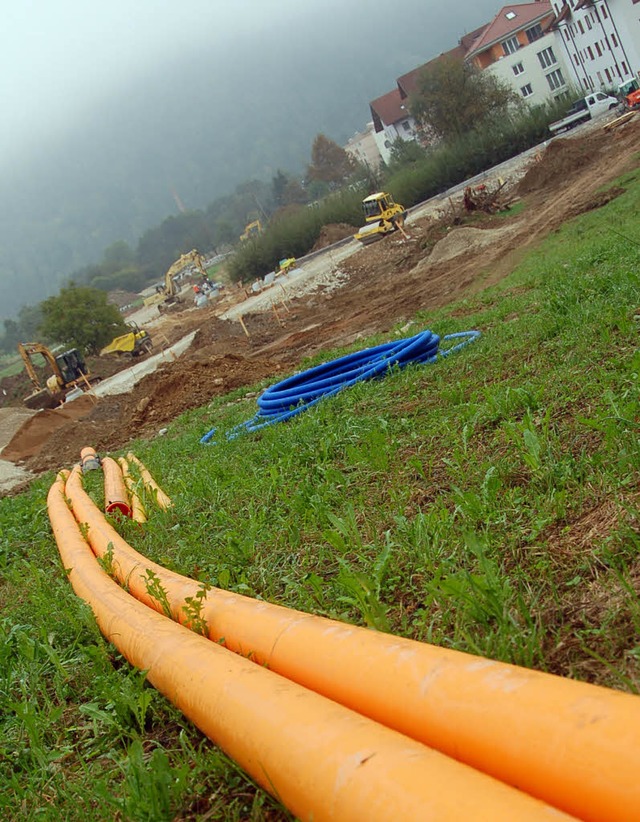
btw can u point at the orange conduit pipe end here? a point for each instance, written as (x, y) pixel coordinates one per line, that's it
(323, 761)
(89, 460)
(115, 491)
(575, 745)
(138, 513)
(163, 501)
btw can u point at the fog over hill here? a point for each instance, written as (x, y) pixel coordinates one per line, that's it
(198, 120)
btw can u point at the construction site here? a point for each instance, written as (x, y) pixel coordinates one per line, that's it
(343, 294)
(418, 600)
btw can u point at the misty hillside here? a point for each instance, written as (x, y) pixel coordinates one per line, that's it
(198, 125)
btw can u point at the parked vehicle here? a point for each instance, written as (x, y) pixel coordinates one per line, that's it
(586, 108)
(629, 94)
(135, 343)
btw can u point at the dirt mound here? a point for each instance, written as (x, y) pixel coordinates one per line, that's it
(52, 439)
(332, 234)
(38, 429)
(562, 159)
(464, 240)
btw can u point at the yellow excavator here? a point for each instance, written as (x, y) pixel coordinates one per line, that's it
(382, 216)
(168, 295)
(135, 343)
(251, 231)
(69, 371)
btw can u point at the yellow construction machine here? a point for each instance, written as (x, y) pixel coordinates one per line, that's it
(135, 343)
(69, 371)
(382, 216)
(168, 295)
(251, 231)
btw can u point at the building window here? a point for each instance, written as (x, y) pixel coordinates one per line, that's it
(517, 69)
(575, 60)
(607, 72)
(590, 52)
(600, 80)
(580, 26)
(598, 49)
(588, 19)
(526, 91)
(624, 65)
(566, 35)
(547, 57)
(510, 46)
(534, 33)
(555, 79)
(603, 9)
(613, 40)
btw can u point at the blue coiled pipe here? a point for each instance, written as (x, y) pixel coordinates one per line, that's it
(298, 393)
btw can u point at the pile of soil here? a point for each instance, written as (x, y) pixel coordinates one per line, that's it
(333, 233)
(386, 284)
(562, 159)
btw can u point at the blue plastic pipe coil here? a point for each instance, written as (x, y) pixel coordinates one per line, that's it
(298, 393)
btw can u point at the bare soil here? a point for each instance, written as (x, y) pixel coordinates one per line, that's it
(383, 284)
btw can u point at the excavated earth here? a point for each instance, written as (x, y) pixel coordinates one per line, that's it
(382, 285)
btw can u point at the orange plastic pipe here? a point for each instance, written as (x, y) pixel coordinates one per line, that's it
(575, 745)
(323, 761)
(115, 491)
(89, 460)
(151, 485)
(138, 514)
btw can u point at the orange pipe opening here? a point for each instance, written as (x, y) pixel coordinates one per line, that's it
(115, 491)
(323, 761)
(575, 745)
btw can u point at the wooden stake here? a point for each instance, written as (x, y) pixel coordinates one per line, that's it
(244, 327)
(275, 311)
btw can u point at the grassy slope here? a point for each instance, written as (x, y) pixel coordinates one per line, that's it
(488, 503)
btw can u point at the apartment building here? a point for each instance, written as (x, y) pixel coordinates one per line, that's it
(520, 50)
(601, 40)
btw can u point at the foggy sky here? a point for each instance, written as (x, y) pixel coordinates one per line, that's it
(111, 107)
(61, 58)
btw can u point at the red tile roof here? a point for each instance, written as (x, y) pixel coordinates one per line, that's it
(408, 83)
(387, 110)
(525, 15)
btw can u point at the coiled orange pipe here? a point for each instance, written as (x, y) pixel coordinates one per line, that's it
(577, 746)
(323, 761)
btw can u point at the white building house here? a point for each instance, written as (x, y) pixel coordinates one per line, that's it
(364, 148)
(518, 48)
(391, 121)
(601, 40)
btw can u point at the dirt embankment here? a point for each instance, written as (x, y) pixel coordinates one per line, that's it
(383, 284)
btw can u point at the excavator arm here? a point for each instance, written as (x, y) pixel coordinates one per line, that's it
(27, 351)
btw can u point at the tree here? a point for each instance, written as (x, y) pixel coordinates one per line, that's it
(405, 153)
(329, 162)
(453, 98)
(81, 317)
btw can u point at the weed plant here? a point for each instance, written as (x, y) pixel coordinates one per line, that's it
(487, 503)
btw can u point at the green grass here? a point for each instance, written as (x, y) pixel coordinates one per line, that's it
(487, 503)
(10, 365)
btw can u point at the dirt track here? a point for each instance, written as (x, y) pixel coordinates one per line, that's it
(381, 285)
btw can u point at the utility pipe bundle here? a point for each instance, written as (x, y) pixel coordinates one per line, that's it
(574, 745)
